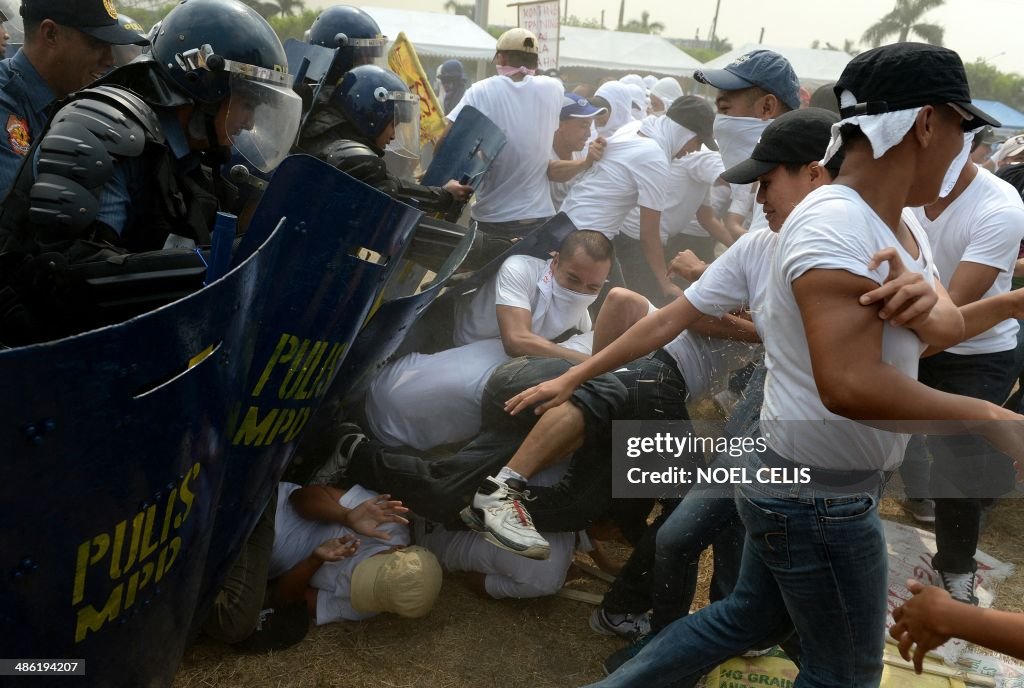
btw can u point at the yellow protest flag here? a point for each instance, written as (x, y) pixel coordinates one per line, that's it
(403, 61)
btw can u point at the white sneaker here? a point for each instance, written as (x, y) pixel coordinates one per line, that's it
(333, 469)
(960, 586)
(497, 512)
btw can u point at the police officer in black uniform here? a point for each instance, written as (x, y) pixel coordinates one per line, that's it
(125, 165)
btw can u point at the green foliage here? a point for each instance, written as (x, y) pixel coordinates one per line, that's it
(588, 23)
(707, 54)
(988, 83)
(903, 20)
(294, 26)
(643, 25)
(145, 12)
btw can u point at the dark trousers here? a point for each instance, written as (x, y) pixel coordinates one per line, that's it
(961, 464)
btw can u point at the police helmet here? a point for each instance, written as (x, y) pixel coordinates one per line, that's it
(222, 50)
(451, 70)
(353, 33)
(371, 98)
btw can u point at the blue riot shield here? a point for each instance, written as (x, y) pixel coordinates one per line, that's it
(113, 467)
(139, 456)
(469, 149)
(343, 241)
(319, 63)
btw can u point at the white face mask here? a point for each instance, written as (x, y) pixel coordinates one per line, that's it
(737, 136)
(557, 308)
(959, 162)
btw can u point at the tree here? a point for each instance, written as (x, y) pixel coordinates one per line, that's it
(589, 23)
(643, 25)
(988, 83)
(288, 7)
(903, 20)
(465, 9)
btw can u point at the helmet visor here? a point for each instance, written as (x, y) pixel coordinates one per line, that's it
(10, 17)
(407, 123)
(263, 116)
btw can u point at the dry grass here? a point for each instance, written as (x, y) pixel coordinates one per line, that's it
(469, 641)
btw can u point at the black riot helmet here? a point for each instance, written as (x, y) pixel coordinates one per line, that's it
(222, 50)
(353, 33)
(371, 98)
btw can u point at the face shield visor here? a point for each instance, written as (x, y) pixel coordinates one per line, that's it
(407, 121)
(355, 52)
(10, 17)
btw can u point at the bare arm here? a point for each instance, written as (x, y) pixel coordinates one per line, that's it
(292, 585)
(621, 310)
(970, 282)
(713, 226)
(519, 340)
(687, 265)
(984, 314)
(650, 242)
(565, 170)
(1018, 268)
(734, 227)
(651, 333)
(320, 503)
(728, 327)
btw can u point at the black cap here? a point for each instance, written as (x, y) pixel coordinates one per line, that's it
(694, 113)
(98, 18)
(799, 137)
(902, 76)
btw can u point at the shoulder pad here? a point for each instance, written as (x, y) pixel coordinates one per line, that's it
(120, 120)
(345, 149)
(70, 150)
(62, 202)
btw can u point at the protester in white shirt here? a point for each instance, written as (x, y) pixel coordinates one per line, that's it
(752, 90)
(634, 172)
(519, 312)
(663, 93)
(568, 159)
(620, 108)
(513, 198)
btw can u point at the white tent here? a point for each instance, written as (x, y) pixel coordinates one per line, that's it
(813, 67)
(435, 34)
(622, 52)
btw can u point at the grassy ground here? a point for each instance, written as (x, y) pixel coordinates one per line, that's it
(469, 641)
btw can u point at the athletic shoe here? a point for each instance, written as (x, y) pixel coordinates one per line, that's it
(497, 511)
(629, 626)
(923, 510)
(960, 586)
(336, 464)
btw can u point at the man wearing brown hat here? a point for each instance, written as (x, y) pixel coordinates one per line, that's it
(514, 197)
(68, 44)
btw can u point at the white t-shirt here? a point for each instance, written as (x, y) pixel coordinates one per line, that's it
(559, 190)
(507, 574)
(632, 172)
(738, 278)
(295, 538)
(689, 181)
(984, 225)
(832, 229)
(517, 284)
(516, 187)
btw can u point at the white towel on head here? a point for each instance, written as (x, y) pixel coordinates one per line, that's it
(883, 131)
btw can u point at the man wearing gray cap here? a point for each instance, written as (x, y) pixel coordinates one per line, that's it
(68, 43)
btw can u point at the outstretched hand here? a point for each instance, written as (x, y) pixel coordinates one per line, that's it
(461, 192)
(546, 395)
(918, 621)
(366, 518)
(337, 549)
(907, 297)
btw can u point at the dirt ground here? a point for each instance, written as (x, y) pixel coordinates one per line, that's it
(471, 641)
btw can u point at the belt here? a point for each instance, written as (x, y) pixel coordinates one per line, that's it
(823, 476)
(666, 358)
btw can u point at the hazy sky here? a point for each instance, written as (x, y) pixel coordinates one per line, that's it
(987, 29)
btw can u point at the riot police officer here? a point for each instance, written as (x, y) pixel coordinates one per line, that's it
(352, 33)
(67, 45)
(125, 166)
(374, 108)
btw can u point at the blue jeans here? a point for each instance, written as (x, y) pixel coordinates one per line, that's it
(820, 560)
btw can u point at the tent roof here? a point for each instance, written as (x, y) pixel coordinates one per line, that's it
(814, 67)
(436, 34)
(1007, 116)
(622, 51)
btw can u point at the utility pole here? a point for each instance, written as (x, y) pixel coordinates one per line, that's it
(565, 13)
(602, 19)
(760, 40)
(480, 13)
(622, 13)
(714, 23)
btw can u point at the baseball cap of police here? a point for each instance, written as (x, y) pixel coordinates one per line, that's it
(518, 40)
(98, 18)
(694, 113)
(799, 136)
(404, 582)
(763, 68)
(903, 76)
(577, 107)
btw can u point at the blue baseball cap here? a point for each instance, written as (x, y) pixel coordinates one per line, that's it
(762, 68)
(578, 107)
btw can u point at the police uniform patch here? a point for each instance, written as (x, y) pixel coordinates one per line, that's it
(18, 136)
(108, 5)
